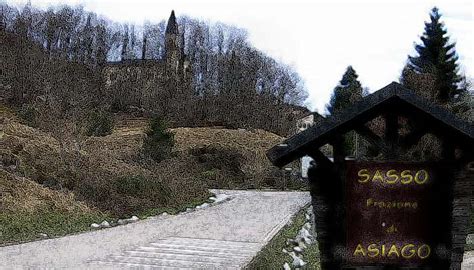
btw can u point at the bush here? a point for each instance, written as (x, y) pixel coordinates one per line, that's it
(117, 106)
(29, 114)
(139, 186)
(126, 195)
(100, 124)
(159, 142)
(218, 157)
(96, 192)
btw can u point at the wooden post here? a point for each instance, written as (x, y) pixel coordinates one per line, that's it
(319, 179)
(461, 205)
(338, 206)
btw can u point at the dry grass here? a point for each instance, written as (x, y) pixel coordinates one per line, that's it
(252, 144)
(7, 112)
(57, 187)
(239, 151)
(218, 157)
(23, 195)
(98, 169)
(66, 179)
(27, 209)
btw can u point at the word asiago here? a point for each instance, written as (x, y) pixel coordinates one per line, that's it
(404, 177)
(406, 251)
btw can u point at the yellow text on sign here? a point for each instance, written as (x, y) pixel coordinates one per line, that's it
(404, 177)
(407, 251)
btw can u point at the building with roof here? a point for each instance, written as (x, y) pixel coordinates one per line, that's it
(307, 121)
(135, 81)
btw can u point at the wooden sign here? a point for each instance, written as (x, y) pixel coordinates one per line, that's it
(391, 213)
(395, 213)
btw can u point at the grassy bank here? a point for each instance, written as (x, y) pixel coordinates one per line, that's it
(29, 211)
(26, 226)
(272, 257)
(56, 182)
(23, 226)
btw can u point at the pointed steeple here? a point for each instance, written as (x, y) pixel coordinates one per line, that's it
(172, 27)
(2, 20)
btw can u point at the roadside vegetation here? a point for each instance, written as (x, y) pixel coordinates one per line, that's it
(28, 210)
(111, 177)
(159, 141)
(68, 130)
(272, 255)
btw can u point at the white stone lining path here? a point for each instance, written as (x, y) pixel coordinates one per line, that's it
(224, 236)
(468, 261)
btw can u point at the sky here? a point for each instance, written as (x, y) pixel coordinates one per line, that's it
(318, 38)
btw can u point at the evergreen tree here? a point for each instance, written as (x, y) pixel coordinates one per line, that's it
(348, 91)
(436, 58)
(158, 143)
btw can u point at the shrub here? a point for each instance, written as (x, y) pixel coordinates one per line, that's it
(125, 195)
(117, 106)
(211, 174)
(219, 157)
(95, 191)
(29, 114)
(159, 142)
(99, 124)
(139, 186)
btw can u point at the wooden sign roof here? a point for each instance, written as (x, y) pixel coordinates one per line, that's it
(391, 98)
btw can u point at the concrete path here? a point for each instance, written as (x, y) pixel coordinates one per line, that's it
(224, 236)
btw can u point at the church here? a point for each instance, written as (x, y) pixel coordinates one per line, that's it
(135, 81)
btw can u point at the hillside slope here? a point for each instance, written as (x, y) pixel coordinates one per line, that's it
(215, 157)
(221, 158)
(30, 211)
(85, 178)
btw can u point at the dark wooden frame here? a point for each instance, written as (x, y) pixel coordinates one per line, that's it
(327, 177)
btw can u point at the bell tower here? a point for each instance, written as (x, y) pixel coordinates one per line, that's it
(172, 44)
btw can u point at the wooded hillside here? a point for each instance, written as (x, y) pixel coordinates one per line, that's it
(58, 56)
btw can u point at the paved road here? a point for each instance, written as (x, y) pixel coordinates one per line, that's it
(224, 236)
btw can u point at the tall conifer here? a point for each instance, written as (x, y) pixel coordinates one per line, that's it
(348, 91)
(437, 58)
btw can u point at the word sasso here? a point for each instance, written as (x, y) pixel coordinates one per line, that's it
(404, 177)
